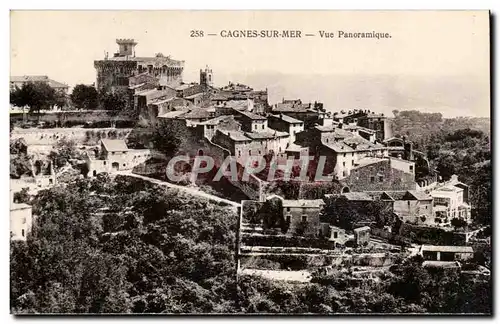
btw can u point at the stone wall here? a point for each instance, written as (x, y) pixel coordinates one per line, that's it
(50, 136)
(73, 117)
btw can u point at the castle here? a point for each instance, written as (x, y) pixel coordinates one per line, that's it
(116, 72)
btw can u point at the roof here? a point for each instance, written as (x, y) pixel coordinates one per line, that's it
(38, 78)
(251, 115)
(290, 107)
(161, 100)
(136, 86)
(114, 145)
(266, 135)
(367, 161)
(294, 148)
(184, 87)
(333, 128)
(197, 114)
(358, 196)
(237, 136)
(29, 78)
(14, 206)
(449, 248)
(288, 119)
(236, 104)
(313, 203)
(364, 228)
(163, 60)
(199, 94)
(420, 195)
(172, 114)
(216, 120)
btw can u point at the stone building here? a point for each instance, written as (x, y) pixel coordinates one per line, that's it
(447, 253)
(381, 174)
(115, 72)
(19, 81)
(114, 155)
(303, 216)
(21, 219)
(334, 234)
(362, 236)
(286, 124)
(344, 149)
(367, 119)
(451, 200)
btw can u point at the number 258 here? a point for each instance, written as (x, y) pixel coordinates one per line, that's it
(197, 33)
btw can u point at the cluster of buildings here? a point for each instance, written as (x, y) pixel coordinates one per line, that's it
(361, 153)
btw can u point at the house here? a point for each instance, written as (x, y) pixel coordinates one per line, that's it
(302, 216)
(446, 253)
(114, 155)
(334, 234)
(115, 72)
(451, 200)
(410, 205)
(286, 124)
(18, 81)
(362, 236)
(21, 219)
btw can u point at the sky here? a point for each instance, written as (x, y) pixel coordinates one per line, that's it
(435, 61)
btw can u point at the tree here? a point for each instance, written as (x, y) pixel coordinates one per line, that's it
(60, 99)
(458, 222)
(115, 101)
(37, 96)
(64, 151)
(170, 139)
(85, 97)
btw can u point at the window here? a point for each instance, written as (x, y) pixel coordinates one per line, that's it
(124, 164)
(343, 163)
(256, 126)
(304, 218)
(335, 235)
(239, 153)
(104, 163)
(249, 152)
(289, 219)
(411, 167)
(353, 162)
(112, 153)
(51, 181)
(22, 233)
(125, 47)
(408, 203)
(345, 154)
(372, 179)
(288, 209)
(380, 178)
(263, 126)
(344, 173)
(260, 152)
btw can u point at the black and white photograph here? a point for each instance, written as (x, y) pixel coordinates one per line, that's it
(242, 162)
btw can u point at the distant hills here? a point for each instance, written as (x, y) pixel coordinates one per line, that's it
(451, 96)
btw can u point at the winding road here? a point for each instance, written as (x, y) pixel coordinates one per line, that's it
(189, 190)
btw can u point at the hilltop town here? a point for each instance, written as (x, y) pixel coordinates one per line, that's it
(385, 200)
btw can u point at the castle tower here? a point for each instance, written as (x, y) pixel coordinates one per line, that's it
(126, 47)
(206, 77)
